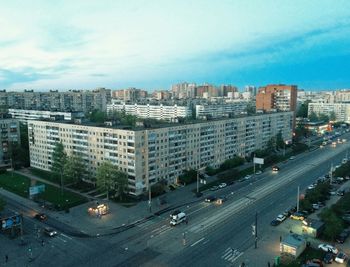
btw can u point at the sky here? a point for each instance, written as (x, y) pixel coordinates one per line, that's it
(152, 44)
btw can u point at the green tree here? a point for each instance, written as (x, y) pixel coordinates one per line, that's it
(271, 145)
(2, 204)
(323, 117)
(74, 169)
(97, 116)
(279, 140)
(59, 158)
(110, 179)
(303, 109)
(332, 116)
(250, 109)
(313, 116)
(333, 224)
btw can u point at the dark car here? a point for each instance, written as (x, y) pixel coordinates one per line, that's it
(50, 232)
(342, 236)
(210, 199)
(40, 216)
(328, 258)
(275, 222)
(198, 194)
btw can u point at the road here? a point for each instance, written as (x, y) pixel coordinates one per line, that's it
(220, 235)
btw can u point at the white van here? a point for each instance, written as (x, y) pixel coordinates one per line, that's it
(181, 217)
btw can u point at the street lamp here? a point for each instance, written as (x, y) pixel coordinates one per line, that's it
(200, 169)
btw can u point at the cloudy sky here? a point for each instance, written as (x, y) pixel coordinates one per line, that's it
(152, 44)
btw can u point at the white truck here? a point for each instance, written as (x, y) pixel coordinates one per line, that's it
(177, 219)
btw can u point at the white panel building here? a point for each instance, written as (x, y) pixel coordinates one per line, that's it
(149, 155)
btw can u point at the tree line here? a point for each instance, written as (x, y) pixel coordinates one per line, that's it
(72, 169)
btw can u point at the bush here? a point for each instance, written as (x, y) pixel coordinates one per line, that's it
(231, 163)
(188, 177)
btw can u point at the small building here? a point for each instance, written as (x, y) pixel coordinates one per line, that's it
(293, 245)
(98, 210)
(312, 227)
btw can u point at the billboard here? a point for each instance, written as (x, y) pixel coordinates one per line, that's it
(258, 160)
(33, 190)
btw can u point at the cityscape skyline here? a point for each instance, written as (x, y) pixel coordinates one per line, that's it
(153, 45)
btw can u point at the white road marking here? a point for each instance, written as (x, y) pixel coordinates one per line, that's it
(65, 241)
(66, 236)
(198, 241)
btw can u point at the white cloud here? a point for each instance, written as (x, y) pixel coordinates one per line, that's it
(125, 38)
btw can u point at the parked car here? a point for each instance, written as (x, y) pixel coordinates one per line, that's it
(292, 157)
(214, 188)
(341, 192)
(50, 232)
(341, 257)
(281, 217)
(258, 173)
(297, 216)
(275, 222)
(342, 236)
(222, 185)
(328, 248)
(210, 199)
(315, 206)
(328, 258)
(40, 216)
(247, 177)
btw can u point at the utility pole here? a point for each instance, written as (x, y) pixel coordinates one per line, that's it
(256, 229)
(298, 198)
(254, 162)
(331, 174)
(197, 181)
(149, 196)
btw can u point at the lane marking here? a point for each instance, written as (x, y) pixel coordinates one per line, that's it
(198, 241)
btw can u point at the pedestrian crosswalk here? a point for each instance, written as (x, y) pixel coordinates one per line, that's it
(231, 254)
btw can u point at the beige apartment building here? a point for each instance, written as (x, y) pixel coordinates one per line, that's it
(149, 155)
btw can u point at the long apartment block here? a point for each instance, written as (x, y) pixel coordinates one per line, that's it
(149, 155)
(159, 112)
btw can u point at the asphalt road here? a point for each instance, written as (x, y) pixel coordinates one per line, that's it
(220, 235)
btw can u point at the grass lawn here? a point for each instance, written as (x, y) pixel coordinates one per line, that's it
(49, 176)
(20, 184)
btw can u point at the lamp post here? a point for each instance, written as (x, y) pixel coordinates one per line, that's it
(200, 169)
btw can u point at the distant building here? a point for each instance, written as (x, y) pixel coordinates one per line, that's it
(130, 94)
(251, 89)
(158, 112)
(10, 136)
(277, 97)
(73, 100)
(340, 110)
(24, 115)
(221, 110)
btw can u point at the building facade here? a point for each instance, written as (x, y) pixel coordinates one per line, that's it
(340, 110)
(10, 135)
(151, 155)
(221, 110)
(278, 97)
(24, 115)
(73, 100)
(158, 112)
